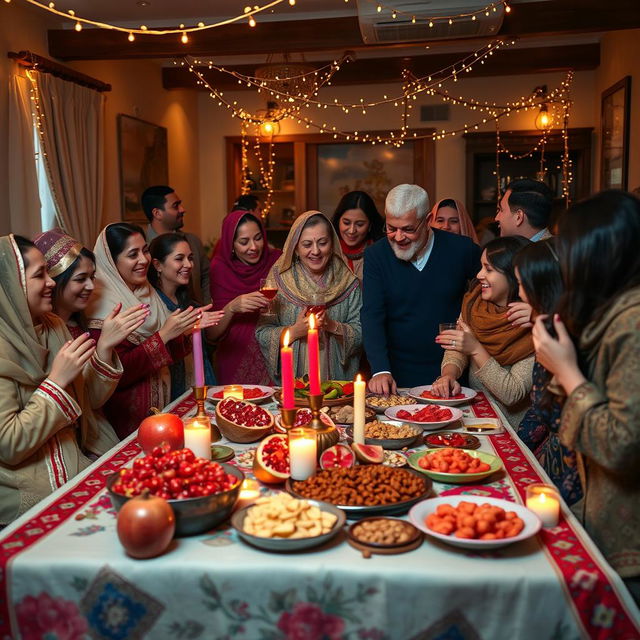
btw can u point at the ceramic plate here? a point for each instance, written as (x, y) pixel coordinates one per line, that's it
(389, 443)
(214, 394)
(384, 401)
(482, 426)
(420, 511)
(289, 544)
(457, 478)
(354, 511)
(392, 413)
(416, 393)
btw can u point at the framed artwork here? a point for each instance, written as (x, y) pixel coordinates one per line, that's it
(616, 111)
(144, 162)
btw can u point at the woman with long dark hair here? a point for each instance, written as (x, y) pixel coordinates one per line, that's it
(595, 359)
(499, 356)
(538, 272)
(358, 224)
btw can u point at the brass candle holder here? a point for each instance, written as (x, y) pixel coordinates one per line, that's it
(288, 417)
(326, 435)
(200, 395)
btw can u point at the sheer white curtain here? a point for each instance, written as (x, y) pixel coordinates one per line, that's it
(24, 200)
(71, 135)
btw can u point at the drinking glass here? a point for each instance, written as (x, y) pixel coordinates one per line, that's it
(447, 326)
(269, 292)
(317, 303)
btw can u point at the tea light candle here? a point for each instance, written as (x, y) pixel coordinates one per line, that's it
(233, 391)
(197, 437)
(249, 493)
(544, 501)
(302, 453)
(359, 388)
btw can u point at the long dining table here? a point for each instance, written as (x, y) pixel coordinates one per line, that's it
(64, 573)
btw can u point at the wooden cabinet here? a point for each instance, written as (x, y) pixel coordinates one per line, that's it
(297, 186)
(481, 182)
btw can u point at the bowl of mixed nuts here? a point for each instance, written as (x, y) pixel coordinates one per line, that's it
(389, 435)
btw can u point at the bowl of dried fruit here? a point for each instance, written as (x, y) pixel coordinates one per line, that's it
(344, 415)
(283, 523)
(241, 421)
(383, 535)
(380, 403)
(388, 435)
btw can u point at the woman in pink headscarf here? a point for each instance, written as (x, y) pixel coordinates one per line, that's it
(242, 260)
(451, 215)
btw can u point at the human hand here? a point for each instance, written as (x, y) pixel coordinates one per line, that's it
(118, 325)
(71, 358)
(445, 386)
(558, 356)
(383, 383)
(462, 339)
(179, 322)
(519, 314)
(300, 327)
(210, 319)
(249, 302)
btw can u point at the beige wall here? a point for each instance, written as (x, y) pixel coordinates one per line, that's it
(619, 57)
(216, 122)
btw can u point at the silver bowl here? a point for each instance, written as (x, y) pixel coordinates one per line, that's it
(194, 515)
(289, 544)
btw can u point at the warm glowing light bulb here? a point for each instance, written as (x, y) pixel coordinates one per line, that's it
(131, 37)
(78, 26)
(292, 2)
(185, 38)
(507, 8)
(252, 22)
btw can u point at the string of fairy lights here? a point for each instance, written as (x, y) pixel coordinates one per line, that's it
(297, 95)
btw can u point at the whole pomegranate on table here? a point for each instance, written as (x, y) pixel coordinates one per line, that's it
(173, 475)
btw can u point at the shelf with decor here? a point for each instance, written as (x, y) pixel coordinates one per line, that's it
(481, 181)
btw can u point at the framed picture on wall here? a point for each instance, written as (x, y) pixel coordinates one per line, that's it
(615, 135)
(144, 161)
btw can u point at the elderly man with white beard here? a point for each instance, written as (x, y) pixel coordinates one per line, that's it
(414, 279)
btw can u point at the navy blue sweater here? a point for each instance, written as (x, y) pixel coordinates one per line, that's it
(402, 306)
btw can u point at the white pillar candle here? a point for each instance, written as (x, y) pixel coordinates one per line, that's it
(359, 394)
(544, 501)
(197, 437)
(302, 453)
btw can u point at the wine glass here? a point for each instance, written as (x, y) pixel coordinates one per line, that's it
(269, 292)
(317, 303)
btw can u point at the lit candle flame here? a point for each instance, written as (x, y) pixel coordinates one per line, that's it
(543, 497)
(358, 378)
(312, 321)
(285, 341)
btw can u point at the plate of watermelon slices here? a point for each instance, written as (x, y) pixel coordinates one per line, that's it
(424, 394)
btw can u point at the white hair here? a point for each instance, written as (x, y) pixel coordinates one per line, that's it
(405, 198)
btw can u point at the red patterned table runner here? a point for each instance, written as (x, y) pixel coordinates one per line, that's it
(602, 612)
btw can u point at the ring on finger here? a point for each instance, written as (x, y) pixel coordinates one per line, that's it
(453, 344)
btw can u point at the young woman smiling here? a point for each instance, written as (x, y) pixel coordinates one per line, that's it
(358, 224)
(312, 262)
(451, 215)
(500, 355)
(170, 274)
(122, 261)
(47, 383)
(242, 259)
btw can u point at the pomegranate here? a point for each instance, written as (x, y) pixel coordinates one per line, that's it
(368, 453)
(146, 525)
(160, 428)
(243, 413)
(271, 462)
(303, 417)
(340, 455)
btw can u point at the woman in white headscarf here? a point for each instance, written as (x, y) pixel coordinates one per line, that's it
(47, 380)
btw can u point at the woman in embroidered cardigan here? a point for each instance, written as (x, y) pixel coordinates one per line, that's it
(595, 360)
(122, 263)
(311, 263)
(500, 355)
(48, 383)
(358, 224)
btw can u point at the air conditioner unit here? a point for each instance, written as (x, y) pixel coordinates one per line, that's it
(380, 27)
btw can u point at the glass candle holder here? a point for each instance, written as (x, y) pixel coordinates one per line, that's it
(197, 436)
(233, 391)
(544, 501)
(303, 451)
(249, 493)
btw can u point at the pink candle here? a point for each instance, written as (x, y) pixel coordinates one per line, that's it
(286, 366)
(313, 348)
(198, 363)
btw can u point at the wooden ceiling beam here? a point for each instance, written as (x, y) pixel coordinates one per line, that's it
(558, 17)
(581, 57)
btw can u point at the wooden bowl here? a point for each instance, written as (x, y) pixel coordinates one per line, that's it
(240, 433)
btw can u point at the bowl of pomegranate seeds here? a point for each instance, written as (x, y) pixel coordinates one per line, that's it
(242, 421)
(201, 493)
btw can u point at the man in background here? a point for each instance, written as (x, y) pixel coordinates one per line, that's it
(525, 210)
(164, 210)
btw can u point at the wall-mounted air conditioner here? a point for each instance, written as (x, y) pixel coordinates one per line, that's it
(380, 27)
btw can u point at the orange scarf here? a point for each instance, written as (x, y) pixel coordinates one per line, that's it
(488, 321)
